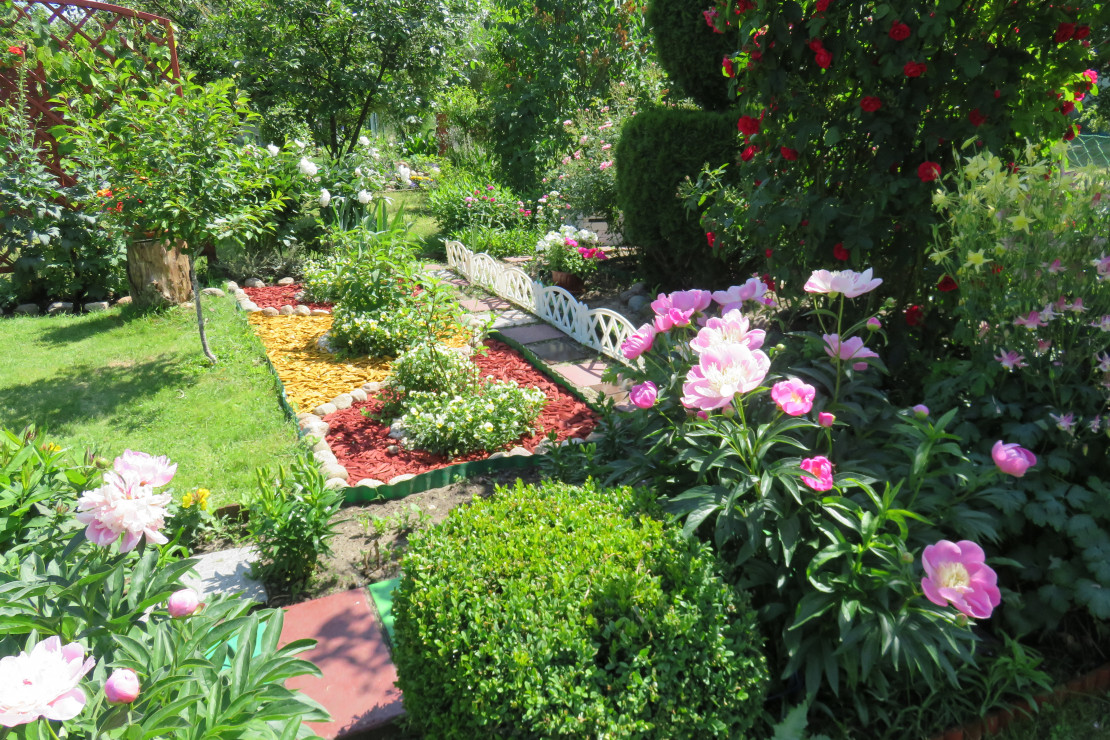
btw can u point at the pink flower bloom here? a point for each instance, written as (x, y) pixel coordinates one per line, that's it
(43, 683)
(148, 470)
(1012, 458)
(1103, 323)
(848, 282)
(753, 289)
(825, 419)
(1055, 268)
(793, 396)
(685, 300)
(1102, 266)
(1030, 322)
(956, 573)
(730, 328)
(638, 343)
(122, 506)
(1103, 362)
(1064, 422)
(850, 349)
(673, 317)
(822, 468)
(643, 395)
(182, 603)
(122, 687)
(605, 165)
(722, 372)
(921, 411)
(1011, 360)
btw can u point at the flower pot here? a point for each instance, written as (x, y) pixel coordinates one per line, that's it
(568, 281)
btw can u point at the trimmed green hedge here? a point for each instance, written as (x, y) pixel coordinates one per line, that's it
(659, 148)
(556, 611)
(690, 52)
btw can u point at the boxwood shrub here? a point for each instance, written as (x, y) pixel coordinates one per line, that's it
(691, 51)
(658, 149)
(561, 611)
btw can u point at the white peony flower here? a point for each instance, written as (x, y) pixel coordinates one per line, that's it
(358, 172)
(43, 683)
(300, 144)
(325, 198)
(364, 141)
(404, 173)
(364, 196)
(273, 150)
(307, 167)
(123, 506)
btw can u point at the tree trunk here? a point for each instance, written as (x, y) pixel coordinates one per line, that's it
(158, 276)
(200, 314)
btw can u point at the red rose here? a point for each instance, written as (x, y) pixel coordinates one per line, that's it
(928, 171)
(899, 31)
(815, 45)
(840, 253)
(726, 63)
(914, 69)
(711, 238)
(748, 153)
(870, 103)
(16, 50)
(821, 6)
(824, 58)
(747, 126)
(915, 316)
(977, 119)
(789, 154)
(1067, 107)
(768, 252)
(1071, 132)
(1082, 32)
(998, 93)
(766, 278)
(1064, 32)
(947, 284)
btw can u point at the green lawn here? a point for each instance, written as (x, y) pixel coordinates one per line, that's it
(1078, 718)
(424, 227)
(121, 379)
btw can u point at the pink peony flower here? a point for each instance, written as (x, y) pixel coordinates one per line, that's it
(848, 282)
(793, 396)
(956, 573)
(822, 468)
(149, 470)
(722, 372)
(122, 506)
(730, 328)
(850, 349)
(753, 289)
(825, 419)
(638, 343)
(43, 683)
(1012, 458)
(643, 395)
(122, 687)
(182, 603)
(673, 317)
(684, 300)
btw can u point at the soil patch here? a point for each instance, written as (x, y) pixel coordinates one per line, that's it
(276, 296)
(361, 443)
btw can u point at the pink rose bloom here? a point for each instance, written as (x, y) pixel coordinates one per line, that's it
(148, 470)
(825, 419)
(730, 328)
(850, 349)
(43, 683)
(752, 290)
(643, 395)
(638, 343)
(848, 282)
(793, 396)
(122, 687)
(956, 573)
(822, 468)
(1012, 458)
(693, 301)
(182, 603)
(122, 506)
(722, 372)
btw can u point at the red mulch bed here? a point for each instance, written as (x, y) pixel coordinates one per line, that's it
(360, 442)
(276, 296)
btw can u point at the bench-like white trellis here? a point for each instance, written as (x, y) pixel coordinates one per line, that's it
(598, 328)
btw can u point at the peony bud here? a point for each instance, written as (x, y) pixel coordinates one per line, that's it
(182, 603)
(873, 324)
(122, 687)
(921, 411)
(825, 419)
(643, 395)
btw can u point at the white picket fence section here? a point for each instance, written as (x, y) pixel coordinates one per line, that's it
(597, 328)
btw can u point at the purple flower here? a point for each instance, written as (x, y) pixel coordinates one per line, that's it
(643, 395)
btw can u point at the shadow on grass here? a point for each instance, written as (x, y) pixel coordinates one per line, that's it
(86, 392)
(82, 330)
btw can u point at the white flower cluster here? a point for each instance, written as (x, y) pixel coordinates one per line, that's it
(446, 423)
(559, 238)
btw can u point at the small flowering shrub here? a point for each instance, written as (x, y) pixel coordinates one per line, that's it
(555, 611)
(487, 417)
(569, 250)
(191, 518)
(461, 200)
(427, 366)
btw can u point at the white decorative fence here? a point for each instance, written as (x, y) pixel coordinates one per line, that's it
(598, 328)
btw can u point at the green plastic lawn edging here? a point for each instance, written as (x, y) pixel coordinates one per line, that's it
(382, 594)
(283, 400)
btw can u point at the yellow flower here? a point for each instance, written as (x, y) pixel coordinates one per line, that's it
(202, 498)
(1021, 221)
(186, 501)
(50, 447)
(975, 259)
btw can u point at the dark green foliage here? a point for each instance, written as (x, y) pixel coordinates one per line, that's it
(658, 149)
(557, 611)
(690, 51)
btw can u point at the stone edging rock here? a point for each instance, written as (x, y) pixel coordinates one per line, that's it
(250, 306)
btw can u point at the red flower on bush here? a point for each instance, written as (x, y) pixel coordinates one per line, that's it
(870, 103)
(726, 64)
(711, 238)
(766, 278)
(747, 126)
(947, 284)
(928, 171)
(977, 119)
(1071, 132)
(914, 69)
(1067, 107)
(768, 252)
(1082, 32)
(899, 31)
(915, 316)
(815, 45)
(823, 58)
(1064, 32)
(821, 6)
(789, 154)
(840, 253)
(16, 50)
(748, 153)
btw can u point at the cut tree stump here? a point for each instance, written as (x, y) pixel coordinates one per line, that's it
(158, 275)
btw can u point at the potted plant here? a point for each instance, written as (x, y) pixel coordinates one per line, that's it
(570, 255)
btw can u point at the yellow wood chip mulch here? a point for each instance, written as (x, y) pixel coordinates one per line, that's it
(311, 376)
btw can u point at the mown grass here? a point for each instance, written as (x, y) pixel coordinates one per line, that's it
(124, 379)
(424, 227)
(1085, 717)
